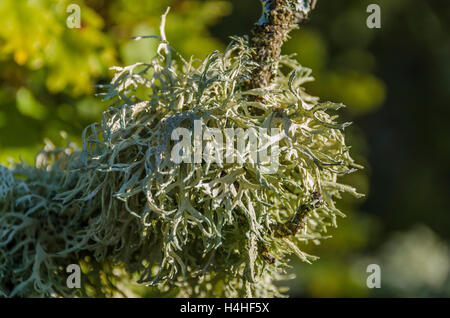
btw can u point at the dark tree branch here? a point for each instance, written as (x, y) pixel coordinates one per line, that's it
(279, 17)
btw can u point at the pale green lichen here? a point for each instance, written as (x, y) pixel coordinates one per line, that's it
(204, 229)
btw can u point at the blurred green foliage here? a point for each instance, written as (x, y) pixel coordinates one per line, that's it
(394, 80)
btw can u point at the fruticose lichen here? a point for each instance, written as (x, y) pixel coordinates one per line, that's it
(201, 229)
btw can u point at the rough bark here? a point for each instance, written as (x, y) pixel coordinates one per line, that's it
(270, 32)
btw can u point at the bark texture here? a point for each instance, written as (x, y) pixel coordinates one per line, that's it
(268, 35)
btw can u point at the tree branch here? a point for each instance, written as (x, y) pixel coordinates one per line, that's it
(279, 17)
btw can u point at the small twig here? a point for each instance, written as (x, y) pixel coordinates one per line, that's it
(299, 219)
(291, 227)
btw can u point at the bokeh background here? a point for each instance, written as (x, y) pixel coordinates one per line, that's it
(395, 82)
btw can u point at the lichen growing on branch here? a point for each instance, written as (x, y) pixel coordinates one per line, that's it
(218, 229)
(279, 17)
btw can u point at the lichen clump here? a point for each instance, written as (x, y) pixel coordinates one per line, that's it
(218, 229)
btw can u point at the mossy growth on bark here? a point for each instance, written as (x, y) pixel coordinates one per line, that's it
(122, 209)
